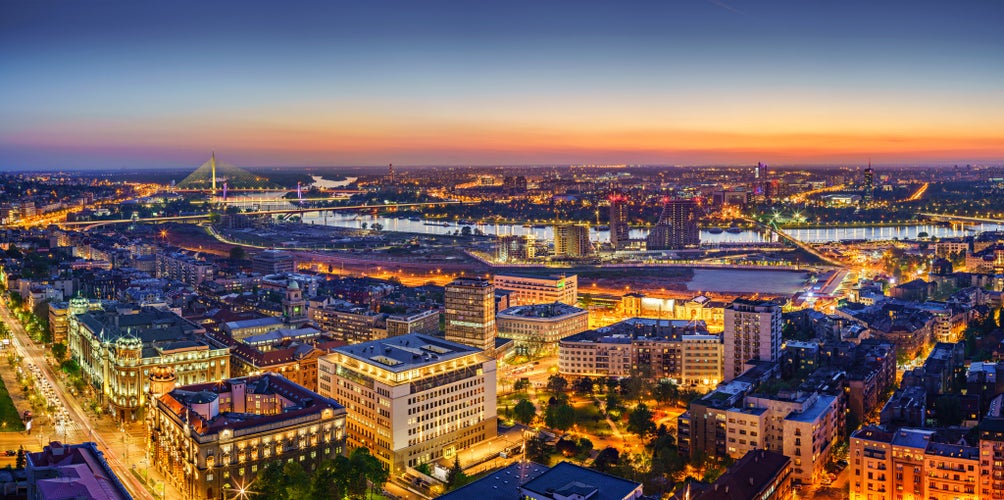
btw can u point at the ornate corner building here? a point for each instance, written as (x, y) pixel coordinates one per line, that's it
(212, 439)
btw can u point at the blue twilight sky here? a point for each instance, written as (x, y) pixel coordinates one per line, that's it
(88, 84)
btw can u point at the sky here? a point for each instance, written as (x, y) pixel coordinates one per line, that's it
(136, 84)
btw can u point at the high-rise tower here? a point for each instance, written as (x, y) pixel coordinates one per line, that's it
(470, 313)
(677, 227)
(571, 240)
(869, 183)
(212, 165)
(752, 331)
(619, 229)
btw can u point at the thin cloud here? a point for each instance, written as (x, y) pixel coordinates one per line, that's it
(725, 6)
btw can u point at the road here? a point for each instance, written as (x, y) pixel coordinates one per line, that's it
(919, 193)
(962, 218)
(80, 426)
(805, 246)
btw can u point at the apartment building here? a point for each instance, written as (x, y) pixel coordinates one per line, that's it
(678, 350)
(752, 331)
(905, 464)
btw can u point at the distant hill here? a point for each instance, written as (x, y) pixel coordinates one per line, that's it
(235, 177)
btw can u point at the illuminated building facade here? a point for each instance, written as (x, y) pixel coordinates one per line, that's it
(678, 350)
(619, 229)
(528, 290)
(470, 312)
(212, 439)
(752, 331)
(538, 328)
(572, 240)
(412, 399)
(677, 227)
(119, 351)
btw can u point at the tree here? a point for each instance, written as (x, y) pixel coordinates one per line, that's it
(360, 463)
(238, 253)
(585, 447)
(521, 385)
(364, 467)
(524, 412)
(331, 481)
(613, 401)
(665, 391)
(465, 231)
(456, 478)
(948, 410)
(640, 421)
(59, 351)
(557, 384)
(560, 416)
(538, 451)
(270, 483)
(584, 385)
(377, 473)
(606, 459)
(295, 480)
(70, 367)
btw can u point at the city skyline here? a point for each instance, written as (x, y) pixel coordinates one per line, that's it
(150, 85)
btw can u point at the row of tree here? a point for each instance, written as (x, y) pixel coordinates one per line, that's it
(634, 388)
(344, 477)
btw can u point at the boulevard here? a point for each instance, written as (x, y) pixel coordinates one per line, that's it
(124, 445)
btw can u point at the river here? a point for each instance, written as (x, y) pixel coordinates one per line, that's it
(321, 182)
(545, 232)
(541, 232)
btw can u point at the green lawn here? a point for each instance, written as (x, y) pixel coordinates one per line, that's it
(589, 420)
(10, 419)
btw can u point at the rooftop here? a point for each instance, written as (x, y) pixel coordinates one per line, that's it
(252, 323)
(566, 479)
(876, 434)
(641, 328)
(502, 484)
(748, 477)
(470, 282)
(912, 438)
(543, 311)
(77, 471)
(152, 330)
(750, 303)
(812, 413)
(954, 451)
(527, 276)
(296, 401)
(406, 352)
